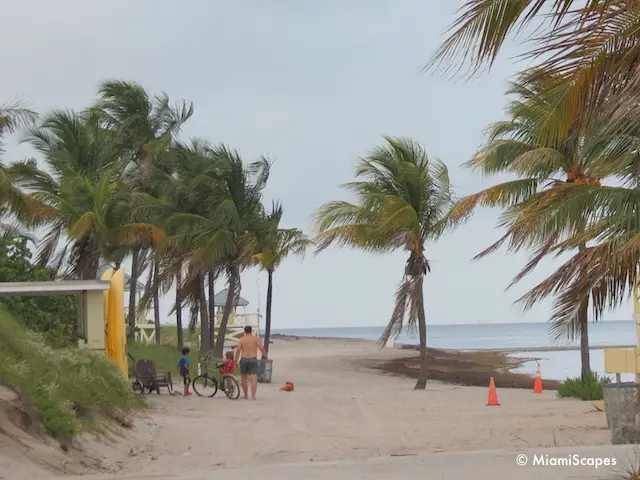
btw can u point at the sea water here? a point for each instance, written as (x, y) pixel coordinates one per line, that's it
(554, 364)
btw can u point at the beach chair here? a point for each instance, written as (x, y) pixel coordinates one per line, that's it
(148, 377)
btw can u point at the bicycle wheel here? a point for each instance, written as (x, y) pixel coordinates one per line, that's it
(231, 387)
(205, 386)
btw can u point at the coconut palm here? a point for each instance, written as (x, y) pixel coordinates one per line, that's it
(13, 117)
(403, 200)
(145, 127)
(606, 270)
(527, 145)
(593, 45)
(238, 218)
(81, 193)
(274, 246)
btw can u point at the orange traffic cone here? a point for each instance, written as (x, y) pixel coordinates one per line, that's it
(537, 384)
(493, 395)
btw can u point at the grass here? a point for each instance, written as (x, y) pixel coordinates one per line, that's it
(588, 388)
(67, 390)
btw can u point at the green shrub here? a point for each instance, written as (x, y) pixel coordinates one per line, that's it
(587, 388)
(165, 356)
(53, 316)
(69, 390)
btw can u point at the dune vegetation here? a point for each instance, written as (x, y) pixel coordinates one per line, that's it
(66, 391)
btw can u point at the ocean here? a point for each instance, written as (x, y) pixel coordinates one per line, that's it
(556, 365)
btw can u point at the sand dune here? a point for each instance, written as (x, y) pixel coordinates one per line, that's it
(340, 410)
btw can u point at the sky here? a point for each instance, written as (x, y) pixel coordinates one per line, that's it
(313, 86)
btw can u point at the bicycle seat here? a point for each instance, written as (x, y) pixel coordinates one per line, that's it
(219, 365)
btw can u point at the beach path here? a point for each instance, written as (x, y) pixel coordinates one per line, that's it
(341, 410)
(488, 465)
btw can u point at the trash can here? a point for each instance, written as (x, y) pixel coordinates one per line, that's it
(622, 408)
(264, 373)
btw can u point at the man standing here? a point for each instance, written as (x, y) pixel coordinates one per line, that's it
(248, 348)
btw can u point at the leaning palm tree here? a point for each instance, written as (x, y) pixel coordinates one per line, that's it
(13, 117)
(145, 128)
(274, 246)
(81, 194)
(608, 269)
(593, 45)
(527, 145)
(403, 200)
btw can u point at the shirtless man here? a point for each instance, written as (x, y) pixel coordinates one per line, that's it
(248, 347)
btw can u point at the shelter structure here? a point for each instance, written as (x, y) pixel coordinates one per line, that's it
(91, 307)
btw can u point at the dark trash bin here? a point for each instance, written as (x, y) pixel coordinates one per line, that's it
(264, 373)
(622, 408)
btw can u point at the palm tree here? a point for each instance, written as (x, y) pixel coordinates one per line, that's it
(81, 193)
(403, 201)
(527, 145)
(275, 245)
(591, 44)
(607, 270)
(13, 117)
(146, 127)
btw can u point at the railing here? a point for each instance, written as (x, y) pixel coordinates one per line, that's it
(240, 320)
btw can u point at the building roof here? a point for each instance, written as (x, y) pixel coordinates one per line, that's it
(127, 278)
(221, 299)
(62, 287)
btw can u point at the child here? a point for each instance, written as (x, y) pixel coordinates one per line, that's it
(228, 365)
(183, 368)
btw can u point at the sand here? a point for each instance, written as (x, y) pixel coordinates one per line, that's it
(339, 410)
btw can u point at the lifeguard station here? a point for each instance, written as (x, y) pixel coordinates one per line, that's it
(238, 319)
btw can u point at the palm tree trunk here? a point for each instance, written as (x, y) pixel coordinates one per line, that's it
(205, 346)
(234, 287)
(212, 308)
(267, 326)
(179, 308)
(133, 289)
(583, 322)
(156, 300)
(421, 384)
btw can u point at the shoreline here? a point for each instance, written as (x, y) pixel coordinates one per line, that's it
(453, 367)
(560, 348)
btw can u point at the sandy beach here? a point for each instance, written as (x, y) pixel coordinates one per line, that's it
(340, 409)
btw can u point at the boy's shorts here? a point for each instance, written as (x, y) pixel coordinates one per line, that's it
(186, 379)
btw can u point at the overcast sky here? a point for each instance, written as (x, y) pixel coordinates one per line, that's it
(313, 85)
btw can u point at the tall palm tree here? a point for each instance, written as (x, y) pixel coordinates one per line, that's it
(593, 45)
(13, 117)
(274, 246)
(403, 201)
(81, 193)
(526, 145)
(146, 126)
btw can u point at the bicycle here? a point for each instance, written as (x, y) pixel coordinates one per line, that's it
(206, 385)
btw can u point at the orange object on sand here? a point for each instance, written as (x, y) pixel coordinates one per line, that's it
(493, 395)
(537, 383)
(287, 387)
